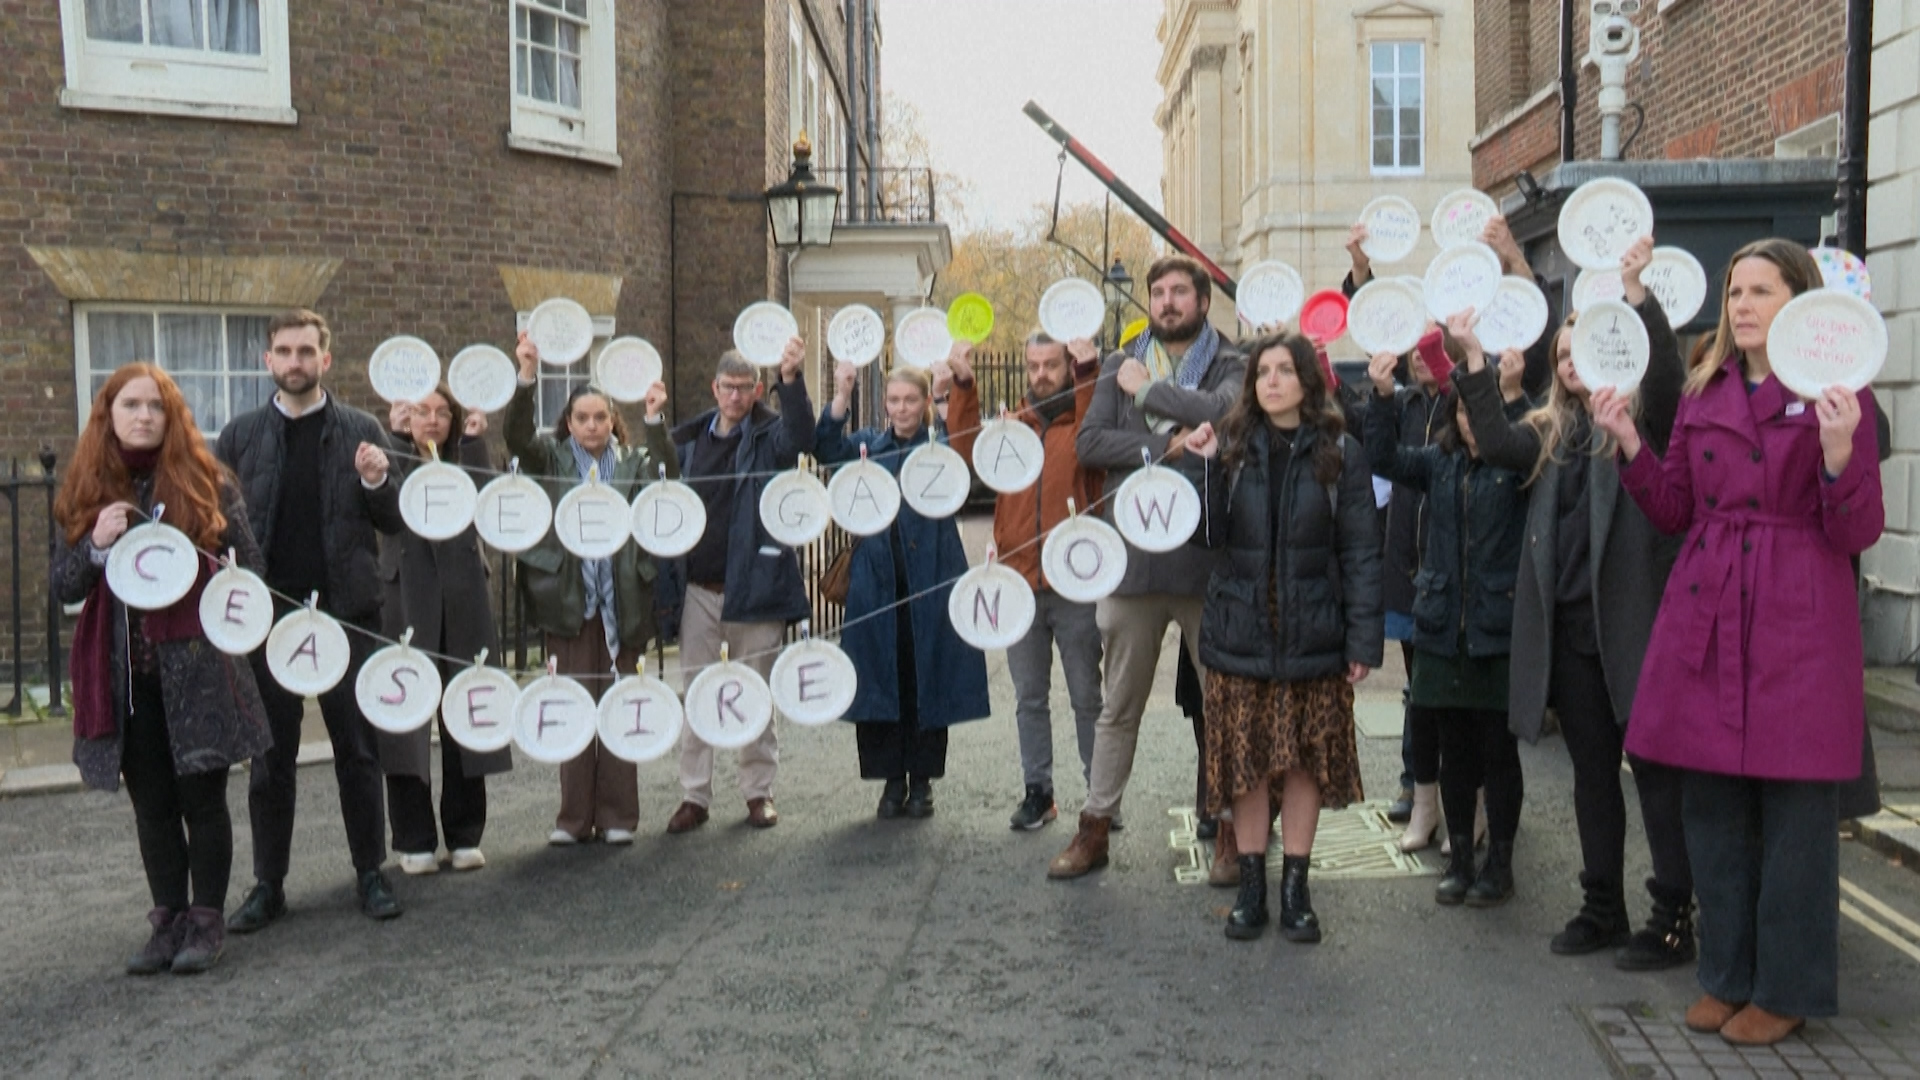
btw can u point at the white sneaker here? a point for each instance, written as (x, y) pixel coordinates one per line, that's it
(468, 858)
(562, 838)
(418, 864)
(619, 836)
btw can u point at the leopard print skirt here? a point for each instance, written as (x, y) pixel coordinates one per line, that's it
(1259, 730)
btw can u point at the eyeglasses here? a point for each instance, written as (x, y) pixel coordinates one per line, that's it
(733, 389)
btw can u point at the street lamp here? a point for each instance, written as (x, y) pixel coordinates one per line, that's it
(801, 211)
(1118, 287)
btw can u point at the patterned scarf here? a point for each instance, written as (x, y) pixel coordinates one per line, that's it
(1193, 366)
(598, 573)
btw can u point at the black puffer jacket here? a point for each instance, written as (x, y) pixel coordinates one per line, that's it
(1300, 606)
(252, 445)
(1406, 507)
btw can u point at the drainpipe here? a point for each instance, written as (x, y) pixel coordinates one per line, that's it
(850, 199)
(872, 61)
(1569, 81)
(1850, 202)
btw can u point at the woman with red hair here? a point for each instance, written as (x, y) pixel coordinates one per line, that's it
(153, 700)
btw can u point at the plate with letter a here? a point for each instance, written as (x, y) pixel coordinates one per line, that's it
(864, 497)
(991, 606)
(307, 652)
(1007, 455)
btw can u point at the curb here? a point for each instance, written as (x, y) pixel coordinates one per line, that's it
(1895, 833)
(1893, 700)
(65, 779)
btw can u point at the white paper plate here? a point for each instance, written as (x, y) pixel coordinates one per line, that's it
(1269, 294)
(864, 498)
(1679, 281)
(403, 369)
(562, 330)
(1827, 337)
(593, 521)
(236, 611)
(1601, 220)
(398, 689)
(1461, 277)
(1156, 509)
(991, 607)
(813, 682)
(1393, 228)
(921, 338)
(668, 519)
(934, 481)
(1083, 559)
(1842, 269)
(554, 720)
(856, 335)
(482, 378)
(1387, 315)
(728, 705)
(512, 513)
(438, 500)
(1594, 285)
(627, 368)
(478, 708)
(761, 332)
(1610, 347)
(151, 566)
(640, 719)
(1515, 318)
(307, 652)
(794, 508)
(1072, 308)
(1461, 217)
(1007, 455)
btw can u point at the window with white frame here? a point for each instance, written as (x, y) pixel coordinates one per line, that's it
(1820, 139)
(215, 355)
(1397, 71)
(214, 59)
(554, 382)
(564, 78)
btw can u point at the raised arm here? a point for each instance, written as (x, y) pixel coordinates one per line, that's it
(1389, 460)
(1104, 442)
(1358, 526)
(1504, 442)
(1191, 408)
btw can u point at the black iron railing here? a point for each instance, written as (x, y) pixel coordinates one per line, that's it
(902, 195)
(12, 486)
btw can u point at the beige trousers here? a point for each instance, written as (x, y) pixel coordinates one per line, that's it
(1132, 628)
(754, 644)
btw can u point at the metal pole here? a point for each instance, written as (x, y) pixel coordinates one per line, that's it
(1851, 200)
(47, 462)
(1569, 81)
(13, 514)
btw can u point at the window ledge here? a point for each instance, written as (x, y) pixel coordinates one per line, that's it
(529, 145)
(246, 114)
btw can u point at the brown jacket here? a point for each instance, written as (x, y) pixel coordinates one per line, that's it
(1022, 520)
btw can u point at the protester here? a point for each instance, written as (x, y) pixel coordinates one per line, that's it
(153, 700)
(1752, 676)
(917, 678)
(1292, 619)
(1060, 383)
(317, 488)
(596, 614)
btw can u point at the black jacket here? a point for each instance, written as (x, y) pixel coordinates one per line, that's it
(1407, 505)
(1301, 606)
(251, 445)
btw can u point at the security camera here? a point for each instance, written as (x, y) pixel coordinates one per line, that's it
(1613, 43)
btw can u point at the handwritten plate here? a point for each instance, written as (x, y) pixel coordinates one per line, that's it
(562, 330)
(1461, 277)
(627, 368)
(1072, 308)
(921, 339)
(1393, 228)
(1610, 347)
(1270, 293)
(761, 332)
(403, 369)
(482, 378)
(1827, 337)
(1461, 217)
(856, 335)
(1601, 220)
(1515, 317)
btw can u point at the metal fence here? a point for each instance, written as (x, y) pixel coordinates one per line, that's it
(13, 487)
(903, 195)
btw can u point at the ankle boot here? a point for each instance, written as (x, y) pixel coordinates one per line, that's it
(1494, 885)
(203, 942)
(1225, 871)
(1298, 923)
(1667, 940)
(1086, 852)
(1249, 916)
(1602, 921)
(893, 797)
(1424, 822)
(1459, 876)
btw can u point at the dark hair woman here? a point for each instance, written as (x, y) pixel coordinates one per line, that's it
(154, 701)
(1292, 618)
(1756, 651)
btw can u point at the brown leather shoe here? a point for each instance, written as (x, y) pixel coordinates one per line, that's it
(1710, 1014)
(1755, 1026)
(687, 818)
(1087, 852)
(761, 814)
(1225, 871)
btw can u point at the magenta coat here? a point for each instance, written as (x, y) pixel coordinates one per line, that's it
(1755, 664)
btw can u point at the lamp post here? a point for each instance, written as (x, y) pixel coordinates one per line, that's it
(801, 211)
(1118, 287)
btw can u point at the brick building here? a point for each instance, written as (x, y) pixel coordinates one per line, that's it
(173, 171)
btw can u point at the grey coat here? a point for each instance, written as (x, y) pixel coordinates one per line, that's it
(1115, 431)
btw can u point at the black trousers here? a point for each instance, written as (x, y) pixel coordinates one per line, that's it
(1595, 739)
(186, 835)
(1419, 738)
(1767, 856)
(463, 805)
(356, 766)
(1190, 694)
(902, 749)
(1476, 751)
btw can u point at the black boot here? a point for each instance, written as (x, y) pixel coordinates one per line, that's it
(1249, 915)
(1400, 811)
(892, 797)
(1602, 921)
(1667, 940)
(919, 797)
(1459, 876)
(1494, 886)
(1298, 923)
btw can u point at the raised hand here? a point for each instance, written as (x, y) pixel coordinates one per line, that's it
(792, 358)
(1839, 413)
(400, 417)
(528, 356)
(1498, 236)
(1132, 376)
(111, 524)
(1380, 370)
(476, 425)
(656, 400)
(1632, 265)
(1082, 350)
(1203, 441)
(371, 463)
(1611, 415)
(1460, 326)
(1362, 265)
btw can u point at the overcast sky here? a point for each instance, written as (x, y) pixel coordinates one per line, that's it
(970, 65)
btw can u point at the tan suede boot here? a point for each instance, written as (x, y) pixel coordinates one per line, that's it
(1087, 852)
(1225, 871)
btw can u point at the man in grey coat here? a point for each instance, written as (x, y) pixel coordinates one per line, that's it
(1170, 381)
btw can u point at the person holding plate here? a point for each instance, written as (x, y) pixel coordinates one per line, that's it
(1292, 618)
(596, 614)
(1752, 677)
(438, 588)
(742, 588)
(917, 677)
(153, 700)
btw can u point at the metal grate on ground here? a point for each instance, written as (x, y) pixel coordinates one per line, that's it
(1645, 1043)
(1358, 842)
